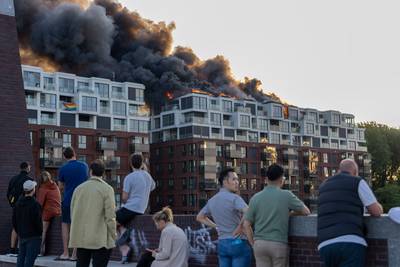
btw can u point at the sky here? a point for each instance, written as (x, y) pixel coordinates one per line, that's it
(330, 55)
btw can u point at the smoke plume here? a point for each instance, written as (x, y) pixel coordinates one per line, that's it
(105, 39)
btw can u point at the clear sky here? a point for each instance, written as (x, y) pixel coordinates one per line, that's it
(342, 55)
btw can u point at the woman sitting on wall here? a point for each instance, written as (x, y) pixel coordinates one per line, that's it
(173, 249)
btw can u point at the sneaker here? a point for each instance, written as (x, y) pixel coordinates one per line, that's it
(13, 252)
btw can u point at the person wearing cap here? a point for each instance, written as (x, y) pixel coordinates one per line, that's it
(341, 203)
(267, 220)
(27, 222)
(14, 192)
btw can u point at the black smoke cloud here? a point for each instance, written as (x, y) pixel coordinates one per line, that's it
(105, 39)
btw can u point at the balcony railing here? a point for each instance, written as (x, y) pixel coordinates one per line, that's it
(136, 148)
(51, 142)
(208, 169)
(48, 121)
(119, 127)
(362, 149)
(169, 107)
(32, 84)
(107, 145)
(86, 124)
(66, 90)
(31, 102)
(325, 145)
(241, 137)
(275, 128)
(118, 95)
(243, 110)
(198, 120)
(48, 105)
(104, 110)
(208, 185)
(228, 123)
(49, 86)
(216, 136)
(51, 162)
(235, 154)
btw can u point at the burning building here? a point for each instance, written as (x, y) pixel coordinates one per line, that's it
(197, 134)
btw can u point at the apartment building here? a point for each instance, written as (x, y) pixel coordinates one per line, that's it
(100, 118)
(197, 134)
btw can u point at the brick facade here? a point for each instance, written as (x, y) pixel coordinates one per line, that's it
(14, 141)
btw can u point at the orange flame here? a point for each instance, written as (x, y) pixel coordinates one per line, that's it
(169, 95)
(28, 57)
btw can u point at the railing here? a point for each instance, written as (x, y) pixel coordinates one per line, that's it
(241, 137)
(119, 127)
(228, 123)
(86, 90)
(104, 110)
(118, 95)
(215, 107)
(285, 142)
(51, 142)
(243, 110)
(107, 145)
(48, 121)
(324, 145)
(30, 102)
(275, 128)
(32, 84)
(50, 87)
(138, 113)
(216, 136)
(334, 134)
(351, 136)
(51, 162)
(66, 90)
(48, 105)
(236, 154)
(334, 145)
(169, 107)
(112, 163)
(362, 148)
(195, 120)
(86, 124)
(32, 121)
(140, 147)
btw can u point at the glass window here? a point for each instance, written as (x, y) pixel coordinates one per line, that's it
(277, 111)
(140, 95)
(119, 124)
(200, 103)
(82, 141)
(168, 119)
(227, 106)
(84, 86)
(275, 138)
(118, 92)
(102, 89)
(262, 124)
(133, 110)
(67, 140)
(139, 126)
(66, 85)
(293, 114)
(119, 108)
(32, 79)
(335, 118)
(215, 118)
(48, 83)
(48, 101)
(48, 118)
(310, 128)
(31, 137)
(244, 121)
(104, 107)
(89, 103)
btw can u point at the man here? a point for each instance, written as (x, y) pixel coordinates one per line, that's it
(135, 196)
(341, 203)
(226, 209)
(71, 175)
(93, 226)
(27, 222)
(268, 217)
(14, 192)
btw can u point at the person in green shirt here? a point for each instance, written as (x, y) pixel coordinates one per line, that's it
(267, 220)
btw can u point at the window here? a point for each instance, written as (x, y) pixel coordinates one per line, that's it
(157, 123)
(352, 145)
(117, 92)
(171, 183)
(139, 126)
(104, 107)
(244, 121)
(89, 103)
(244, 168)
(309, 128)
(83, 86)
(119, 108)
(119, 124)
(168, 119)
(31, 137)
(135, 94)
(187, 103)
(243, 184)
(48, 118)
(82, 158)
(140, 95)
(133, 110)
(82, 141)
(253, 184)
(262, 124)
(325, 157)
(293, 114)
(277, 112)
(227, 106)
(48, 101)
(335, 118)
(215, 118)
(200, 103)
(66, 85)
(361, 135)
(102, 89)
(31, 79)
(275, 138)
(285, 126)
(67, 140)
(48, 83)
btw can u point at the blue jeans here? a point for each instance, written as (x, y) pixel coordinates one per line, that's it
(344, 255)
(234, 253)
(28, 251)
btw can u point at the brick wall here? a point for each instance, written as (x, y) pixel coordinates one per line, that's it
(203, 244)
(14, 140)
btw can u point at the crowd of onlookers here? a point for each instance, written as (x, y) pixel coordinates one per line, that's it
(92, 227)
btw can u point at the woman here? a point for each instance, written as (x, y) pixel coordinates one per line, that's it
(174, 247)
(49, 197)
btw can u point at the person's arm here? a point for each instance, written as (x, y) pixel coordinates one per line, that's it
(296, 206)
(61, 180)
(241, 206)
(248, 230)
(204, 219)
(109, 207)
(368, 199)
(41, 196)
(126, 189)
(165, 248)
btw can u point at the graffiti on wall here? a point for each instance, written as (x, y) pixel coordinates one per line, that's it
(200, 242)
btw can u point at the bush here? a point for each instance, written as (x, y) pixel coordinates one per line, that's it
(389, 196)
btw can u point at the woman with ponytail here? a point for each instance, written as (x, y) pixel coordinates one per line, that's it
(173, 249)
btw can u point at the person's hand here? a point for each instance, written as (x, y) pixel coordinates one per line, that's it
(238, 232)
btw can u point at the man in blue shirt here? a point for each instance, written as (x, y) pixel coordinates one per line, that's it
(70, 176)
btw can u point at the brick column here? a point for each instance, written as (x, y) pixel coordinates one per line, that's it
(14, 137)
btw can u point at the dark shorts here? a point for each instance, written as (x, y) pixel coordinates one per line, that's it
(344, 255)
(66, 214)
(125, 216)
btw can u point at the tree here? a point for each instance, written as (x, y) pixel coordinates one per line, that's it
(389, 196)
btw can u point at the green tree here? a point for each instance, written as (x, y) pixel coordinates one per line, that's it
(389, 196)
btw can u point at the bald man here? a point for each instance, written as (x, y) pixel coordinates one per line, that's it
(341, 204)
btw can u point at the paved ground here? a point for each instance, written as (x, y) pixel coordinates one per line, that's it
(49, 261)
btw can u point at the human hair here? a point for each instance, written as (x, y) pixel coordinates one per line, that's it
(24, 165)
(97, 167)
(165, 215)
(224, 174)
(28, 192)
(136, 161)
(69, 152)
(44, 177)
(274, 172)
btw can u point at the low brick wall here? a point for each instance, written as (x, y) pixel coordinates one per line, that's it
(383, 240)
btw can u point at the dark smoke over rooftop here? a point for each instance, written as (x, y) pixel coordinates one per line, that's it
(103, 39)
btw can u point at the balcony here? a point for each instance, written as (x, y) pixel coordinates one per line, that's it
(86, 124)
(107, 145)
(49, 86)
(216, 136)
(334, 134)
(208, 169)
(51, 142)
(285, 142)
(118, 95)
(243, 110)
(228, 123)
(362, 149)
(67, 90)
(85, 90)
(48, 105)
(325, 145)
(351, 136)
(198, 120)
(169, 107)
(30, 102)
(51, 162)
(266, 156)
(344, 147)
(137, 148)
(275, 128)
(241, 138)
(208, 185)
(235, 154)
(112, 163)
(48, 121)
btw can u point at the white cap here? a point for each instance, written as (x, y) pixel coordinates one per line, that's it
(29, 185)
(394, 214)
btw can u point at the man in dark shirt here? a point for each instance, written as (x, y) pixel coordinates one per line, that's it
(27, 222)
(14, 192)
